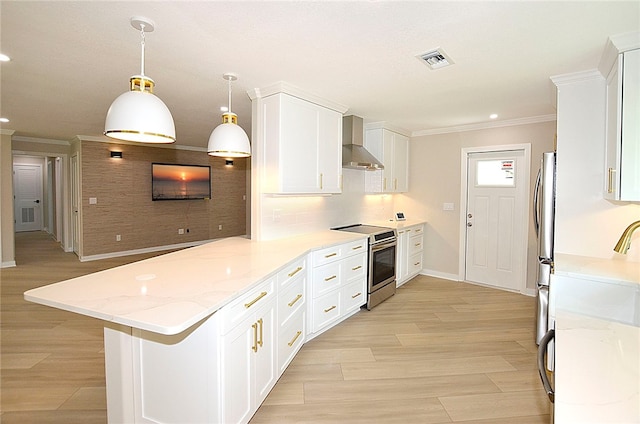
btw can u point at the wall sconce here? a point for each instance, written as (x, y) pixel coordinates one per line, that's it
(116, 155)
(228, 162)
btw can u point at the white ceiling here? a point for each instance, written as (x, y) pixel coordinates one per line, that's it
(70, 60)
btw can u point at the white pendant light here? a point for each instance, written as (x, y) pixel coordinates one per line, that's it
(229, 139)
(138, 115)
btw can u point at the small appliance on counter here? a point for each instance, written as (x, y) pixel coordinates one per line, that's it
(381, 276)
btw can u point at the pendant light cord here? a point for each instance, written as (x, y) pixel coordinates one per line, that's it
(230, 94)
(142, 46)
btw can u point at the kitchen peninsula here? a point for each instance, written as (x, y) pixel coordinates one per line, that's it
(174, 323)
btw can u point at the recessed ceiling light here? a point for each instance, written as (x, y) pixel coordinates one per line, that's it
(4, 58)
(4, 120)
(493, 116)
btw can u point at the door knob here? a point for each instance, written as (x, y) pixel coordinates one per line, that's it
(469, 224)
(37, 201)
(469, 216)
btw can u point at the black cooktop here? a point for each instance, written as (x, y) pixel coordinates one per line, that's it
(363, 229)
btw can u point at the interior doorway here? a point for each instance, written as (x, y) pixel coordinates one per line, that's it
(494, 216)
(28, 197)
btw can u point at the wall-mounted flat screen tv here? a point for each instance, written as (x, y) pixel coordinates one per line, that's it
(180, 182)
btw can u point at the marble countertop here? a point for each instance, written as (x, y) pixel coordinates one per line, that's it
(398, 225)
(615, 271)
(169, 293)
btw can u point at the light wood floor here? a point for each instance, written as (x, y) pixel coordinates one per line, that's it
(436, 352)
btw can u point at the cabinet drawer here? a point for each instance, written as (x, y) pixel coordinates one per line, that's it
(354, 295)
(291, 271)
(291, 300)
(290, 339)
(326, 309)
(415, 263)
(325, 278)
(239, 309)
(354, 267)
(355, 247)
(330, 254)
(415, 244)
(417, 230)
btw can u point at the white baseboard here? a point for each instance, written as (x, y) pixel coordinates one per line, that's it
(438, 274)
(139, 251)
(8, 264)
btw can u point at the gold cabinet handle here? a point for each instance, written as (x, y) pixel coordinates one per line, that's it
(330, 278)
(260, 342)
(356, 268)
(395, 183)
(260, 296)
(356, 295)
(330, 255)
(293, 302)
(320, 181)
(255, 337)
(610, 180)
(331, 308)
(416, 264)
(417, 244)
(384, 184)
(408, 231)
(297, 270)
(294, 338)
(401, 232)
(357, 247)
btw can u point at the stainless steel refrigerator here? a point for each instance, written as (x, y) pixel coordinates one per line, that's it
(544, 211)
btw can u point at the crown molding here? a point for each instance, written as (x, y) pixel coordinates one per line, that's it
(41, 140)
(387, 126)
(486, 125)
(100, 139)
(574, 77)
(286, 88)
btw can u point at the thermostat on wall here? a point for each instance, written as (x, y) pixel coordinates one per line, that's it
(400, 216)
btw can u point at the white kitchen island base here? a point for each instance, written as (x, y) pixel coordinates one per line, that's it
(154, 378)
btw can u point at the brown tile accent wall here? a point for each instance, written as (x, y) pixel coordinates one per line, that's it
(123, 191)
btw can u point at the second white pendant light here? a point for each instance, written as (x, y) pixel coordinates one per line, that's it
(229, 139)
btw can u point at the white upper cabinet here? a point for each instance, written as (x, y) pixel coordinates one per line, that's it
(299, 145)
(622, 160)
(392, 149)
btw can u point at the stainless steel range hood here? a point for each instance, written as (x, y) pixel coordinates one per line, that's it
(354, 155)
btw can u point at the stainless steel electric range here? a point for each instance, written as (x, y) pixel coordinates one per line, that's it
(381, 275)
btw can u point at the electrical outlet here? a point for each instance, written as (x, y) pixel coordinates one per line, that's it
(118, 238)
(93, 200)
(220, 227)
(180, 230)
(447, 206)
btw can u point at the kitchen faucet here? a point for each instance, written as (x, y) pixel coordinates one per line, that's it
(625, 239)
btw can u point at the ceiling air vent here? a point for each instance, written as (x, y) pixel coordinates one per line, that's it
(436, 59)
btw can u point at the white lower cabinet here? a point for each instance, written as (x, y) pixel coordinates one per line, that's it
(409, 253)
(248, 360)
(221, 369)
(338, 284)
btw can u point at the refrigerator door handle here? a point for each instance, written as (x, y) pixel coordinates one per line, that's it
(542, 370)
(536, 213)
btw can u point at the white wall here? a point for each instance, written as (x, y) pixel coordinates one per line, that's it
(586, 223)
(434, 179)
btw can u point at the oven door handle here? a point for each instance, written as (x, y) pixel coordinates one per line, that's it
(380, 246)
(542, 369)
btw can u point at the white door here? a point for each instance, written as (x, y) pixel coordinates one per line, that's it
(75, 204)
(27, 189)
(496, 236)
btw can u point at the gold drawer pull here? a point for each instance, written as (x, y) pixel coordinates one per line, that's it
(356, 295)
(330, 255)
(248, 305)
(255, 337)
(356, 268)
(330, 278)
(291, 274)
(331, 308)
(357, 247)
(294, 338)
(417, 244)
(610, 180)
(416, 264)
(293, 302)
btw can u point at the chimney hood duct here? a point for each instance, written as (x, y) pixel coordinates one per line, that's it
(354, 155)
